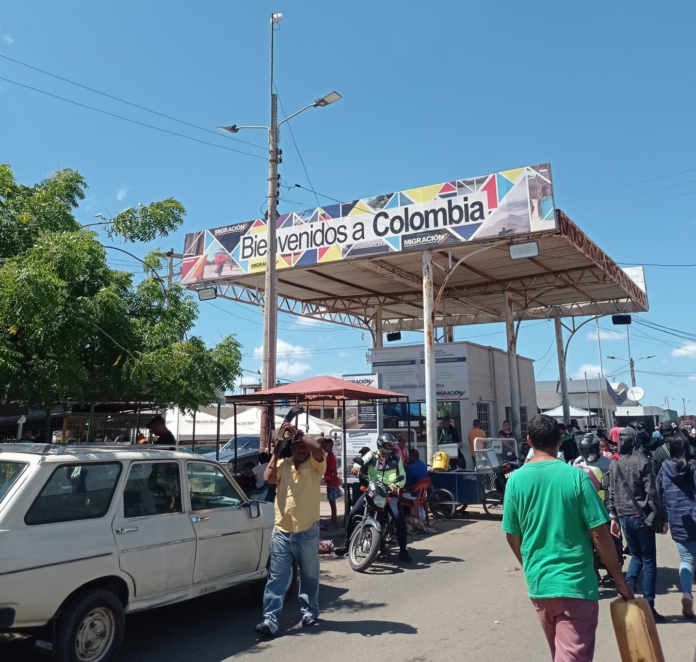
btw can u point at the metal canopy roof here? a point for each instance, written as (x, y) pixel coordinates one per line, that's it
(571, 274)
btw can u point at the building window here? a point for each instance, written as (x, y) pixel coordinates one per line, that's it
(523, 419)
(483, 417)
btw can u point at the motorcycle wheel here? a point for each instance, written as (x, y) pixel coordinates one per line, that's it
(364, 548)
(493, 504)
(439, 509)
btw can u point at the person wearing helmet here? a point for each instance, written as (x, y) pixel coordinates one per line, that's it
(593, 463)
(386, 466)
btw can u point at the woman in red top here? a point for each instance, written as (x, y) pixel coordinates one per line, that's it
(333, 491)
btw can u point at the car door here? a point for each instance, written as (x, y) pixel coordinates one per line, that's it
(228, 539)
(154, 533)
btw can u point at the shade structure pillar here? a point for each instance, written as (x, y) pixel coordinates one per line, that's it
(512, 369)
(562, 367)
(429, 333)
(379, 338)
(344, 467)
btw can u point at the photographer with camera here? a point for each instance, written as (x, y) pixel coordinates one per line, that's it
(295, 536)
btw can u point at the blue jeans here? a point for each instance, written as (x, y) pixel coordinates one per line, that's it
(641, 546)
(303, 548)
(687, 553)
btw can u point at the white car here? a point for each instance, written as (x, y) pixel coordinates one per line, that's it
(90, 533)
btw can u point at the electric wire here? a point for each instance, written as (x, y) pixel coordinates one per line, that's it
(132, 121)
(633, 195)
(130, 103)
(648, 264)
(640, 204)
(295, 143)
(617, 188)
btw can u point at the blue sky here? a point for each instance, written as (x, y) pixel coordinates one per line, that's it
(431, 92)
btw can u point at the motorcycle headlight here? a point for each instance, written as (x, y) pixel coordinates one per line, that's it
(379, 500)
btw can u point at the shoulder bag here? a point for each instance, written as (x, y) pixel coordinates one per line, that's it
(653, 520)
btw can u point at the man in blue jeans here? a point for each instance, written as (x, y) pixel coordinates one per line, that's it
(631, 497)
(296, 533)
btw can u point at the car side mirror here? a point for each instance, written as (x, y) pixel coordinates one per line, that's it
(254, 509)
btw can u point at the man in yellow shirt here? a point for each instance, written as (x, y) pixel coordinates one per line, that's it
(295, 536)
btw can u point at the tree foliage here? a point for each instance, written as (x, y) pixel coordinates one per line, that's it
(74, 330)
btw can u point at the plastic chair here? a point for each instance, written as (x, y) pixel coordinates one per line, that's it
(419, 501)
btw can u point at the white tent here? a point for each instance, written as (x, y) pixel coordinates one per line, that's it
(574, 413)
(251, 419)
(248, 423)
(181, 426)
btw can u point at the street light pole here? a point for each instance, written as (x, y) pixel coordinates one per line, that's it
(270, 305)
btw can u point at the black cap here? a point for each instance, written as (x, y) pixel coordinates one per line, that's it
(666, 428)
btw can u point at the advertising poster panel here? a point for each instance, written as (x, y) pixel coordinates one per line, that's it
(363, 419)
(403, 370)
(503, 203)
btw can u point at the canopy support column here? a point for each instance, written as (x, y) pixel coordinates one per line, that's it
(512, 369)
(562, 367)
(378, 340)
(429, 333)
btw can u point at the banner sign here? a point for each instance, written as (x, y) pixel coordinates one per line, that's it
(362, 419)
(504, 203)
(403, 370)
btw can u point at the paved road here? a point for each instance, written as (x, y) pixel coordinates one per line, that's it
(460, 599)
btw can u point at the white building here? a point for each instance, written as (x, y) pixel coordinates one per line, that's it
(474, 378)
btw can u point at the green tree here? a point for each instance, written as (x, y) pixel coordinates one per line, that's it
(72, 330)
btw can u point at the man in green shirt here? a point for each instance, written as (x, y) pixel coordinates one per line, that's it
(552, 517)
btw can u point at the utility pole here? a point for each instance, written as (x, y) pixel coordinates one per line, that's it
(170, 272)
(270, 302)
(630, 360)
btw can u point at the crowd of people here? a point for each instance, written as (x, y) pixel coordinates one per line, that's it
(622, 485)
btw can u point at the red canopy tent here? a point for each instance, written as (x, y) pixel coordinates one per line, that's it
(317, 388)
(331, 390)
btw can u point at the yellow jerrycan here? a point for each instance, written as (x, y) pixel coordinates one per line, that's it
(635, 630)
(440, 462)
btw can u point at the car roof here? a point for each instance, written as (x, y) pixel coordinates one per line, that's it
(91, 452)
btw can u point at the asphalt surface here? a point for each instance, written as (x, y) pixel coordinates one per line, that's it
(461, 598)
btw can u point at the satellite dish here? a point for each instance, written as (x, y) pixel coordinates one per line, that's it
(636, 393)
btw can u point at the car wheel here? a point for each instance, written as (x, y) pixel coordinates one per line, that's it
(90, 627)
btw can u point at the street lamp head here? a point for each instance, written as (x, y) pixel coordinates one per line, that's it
(229, 129)
(276, 18)
(328, 99)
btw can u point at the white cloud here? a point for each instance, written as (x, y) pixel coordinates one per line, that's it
(292, 368)
(688, 350)
(343, 355)
(7, 39)
(307, 321)
(285, 350)
(591, 370)
(605, 335)
(692, 378)
(121, 193)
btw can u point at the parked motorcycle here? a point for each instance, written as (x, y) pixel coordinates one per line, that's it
(493, 501)
(375, 531)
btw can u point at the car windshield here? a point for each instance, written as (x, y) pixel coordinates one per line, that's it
(9, 472)
(244, 443)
